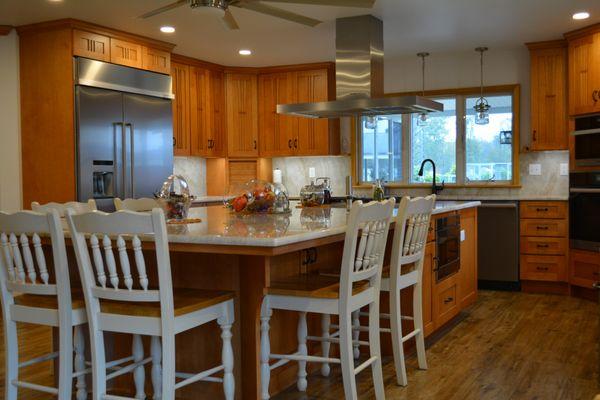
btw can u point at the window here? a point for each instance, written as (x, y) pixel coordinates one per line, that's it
(436, 140)
(392, 147)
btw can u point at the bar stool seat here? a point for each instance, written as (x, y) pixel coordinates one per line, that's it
(39, 301)
(185, 301)
(313, 285)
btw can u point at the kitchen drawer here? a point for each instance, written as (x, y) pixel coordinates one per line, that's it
(544, 268)
(445, 302)
(544, 227)
(584, 268)
(544, 245)
(544, 209)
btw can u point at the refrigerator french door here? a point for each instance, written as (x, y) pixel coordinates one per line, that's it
(125, 144)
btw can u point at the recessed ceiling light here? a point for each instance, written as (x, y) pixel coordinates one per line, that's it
(167, 29)
(581, 15)
(245, 52)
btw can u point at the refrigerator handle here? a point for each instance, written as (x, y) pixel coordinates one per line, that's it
(131, 153)
(117, 165)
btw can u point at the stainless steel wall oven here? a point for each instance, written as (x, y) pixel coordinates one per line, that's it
(584, 210)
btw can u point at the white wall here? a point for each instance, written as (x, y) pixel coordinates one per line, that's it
(10, 144)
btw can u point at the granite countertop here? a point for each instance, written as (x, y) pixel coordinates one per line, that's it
(220, 226)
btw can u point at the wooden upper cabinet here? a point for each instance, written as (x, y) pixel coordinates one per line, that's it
(216, 132)
(180, 74)
(156, 60)
(125, 53)
(91, 45)
(242, 114)
(277, 133)
(313, 134)
(549, 96)
(199, 111)
(584, 74)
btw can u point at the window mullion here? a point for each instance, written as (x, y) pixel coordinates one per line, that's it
(406, 148)
(461, 150)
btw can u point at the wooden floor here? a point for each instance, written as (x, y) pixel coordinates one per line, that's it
(509, 346)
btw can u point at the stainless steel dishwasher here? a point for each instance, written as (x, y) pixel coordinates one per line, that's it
(498, 245)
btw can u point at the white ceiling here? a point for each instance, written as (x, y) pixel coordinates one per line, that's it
(409, 26)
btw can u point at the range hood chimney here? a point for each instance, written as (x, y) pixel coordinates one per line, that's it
(359, 77)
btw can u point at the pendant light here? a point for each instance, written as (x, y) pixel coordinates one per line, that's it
(422, 119)
(482, 116)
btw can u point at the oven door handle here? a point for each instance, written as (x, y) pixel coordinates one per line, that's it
(584, 190)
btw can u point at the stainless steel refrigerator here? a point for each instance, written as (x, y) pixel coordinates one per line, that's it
(124, 131)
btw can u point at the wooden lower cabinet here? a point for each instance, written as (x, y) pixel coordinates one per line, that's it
(584, 268)
(467, 276)
(544, 268)
(427, 284)
(444, 299)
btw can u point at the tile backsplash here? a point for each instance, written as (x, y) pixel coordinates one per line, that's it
(550, 185)
(193, 169)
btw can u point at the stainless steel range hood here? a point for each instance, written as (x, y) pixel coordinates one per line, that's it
(359, 77)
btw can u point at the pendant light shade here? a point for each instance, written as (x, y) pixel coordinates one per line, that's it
(482, 107)
(422, 120)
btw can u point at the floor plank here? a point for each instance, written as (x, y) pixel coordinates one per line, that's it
(509, 346)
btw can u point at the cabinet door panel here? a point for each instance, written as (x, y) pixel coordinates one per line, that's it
(584, 268)
(91, 45)
(181, 121)
(548, 99)
(544, 268)
(216, 130)
(428, 265)
(156, 60)
(199, 112)
(278, 133)
(581, 75)
(242, 115)
(125, 53)
(467, 287)
(313, 134)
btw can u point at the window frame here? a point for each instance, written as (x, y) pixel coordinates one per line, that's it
(460, 94)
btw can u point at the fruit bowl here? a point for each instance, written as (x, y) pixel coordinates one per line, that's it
(253, 197)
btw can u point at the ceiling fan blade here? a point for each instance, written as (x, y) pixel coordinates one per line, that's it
(337, 3)
(162, 9)
(229, 21)
(277, 12)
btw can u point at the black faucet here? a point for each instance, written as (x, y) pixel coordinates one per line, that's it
(434, 187)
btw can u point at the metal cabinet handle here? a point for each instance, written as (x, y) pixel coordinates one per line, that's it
(448, 300)
(296, 143)
(596, 285)
(541, 268)
(533, 136)
(541, 228)
(595, 96)
(545, 209)
(290, 143)
(254, 142)
(174, 141)
(543, 246)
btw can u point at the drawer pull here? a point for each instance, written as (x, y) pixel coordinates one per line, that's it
(541, 228)
(448, 300)
(539, 268)
(543, 246)
(540, 209)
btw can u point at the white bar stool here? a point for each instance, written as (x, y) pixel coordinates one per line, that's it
(142, 204)
(357, 287)
(38, 296)
(77, 207)
(410, 239)
(115, 304)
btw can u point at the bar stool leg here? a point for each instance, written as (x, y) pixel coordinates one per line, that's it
(12, 358)
(302, 351)
(265, 351)
(65, 364)
(347, 357)
(139, 375)
(375, 350)
(325, 345)
(418, 321)
(356, 333)
(79, 347)
(98, 365)
(396, 328)
(156, 372)
(227, 360)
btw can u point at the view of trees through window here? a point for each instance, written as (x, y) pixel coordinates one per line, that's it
(390, 142)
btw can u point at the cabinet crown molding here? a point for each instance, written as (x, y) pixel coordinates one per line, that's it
(588, 30)
(71, 23)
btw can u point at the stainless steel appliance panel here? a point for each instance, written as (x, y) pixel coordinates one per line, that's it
(584, 210)
(99, 121)
(587, 141)
(498, 245)
(124, 79)
(149, 141)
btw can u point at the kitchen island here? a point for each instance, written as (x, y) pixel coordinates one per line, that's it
(245, 254)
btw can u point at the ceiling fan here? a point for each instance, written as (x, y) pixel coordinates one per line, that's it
(261, 7)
